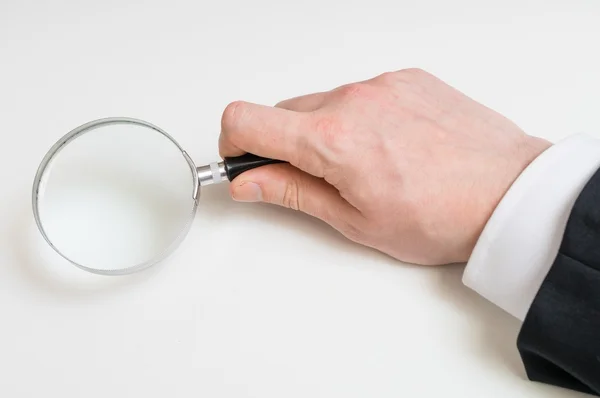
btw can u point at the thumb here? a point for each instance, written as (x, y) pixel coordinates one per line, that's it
(287, 186)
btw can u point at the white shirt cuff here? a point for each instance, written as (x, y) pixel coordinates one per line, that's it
(521, 240)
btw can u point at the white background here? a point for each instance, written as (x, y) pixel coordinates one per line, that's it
(259, 301)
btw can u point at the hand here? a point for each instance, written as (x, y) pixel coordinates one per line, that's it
(402, 163)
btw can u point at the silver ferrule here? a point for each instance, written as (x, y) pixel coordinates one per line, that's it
(213, 173)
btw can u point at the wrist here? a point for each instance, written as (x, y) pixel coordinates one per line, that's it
(532, 148)
(521, 239)
(527, 150)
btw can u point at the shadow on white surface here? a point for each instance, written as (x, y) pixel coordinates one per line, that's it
(216, 207)
(47, 272)
(491, 333)
(495, 332)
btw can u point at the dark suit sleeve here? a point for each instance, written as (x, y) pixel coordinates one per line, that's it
(559, 341)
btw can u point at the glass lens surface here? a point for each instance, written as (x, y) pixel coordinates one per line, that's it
(116, 196)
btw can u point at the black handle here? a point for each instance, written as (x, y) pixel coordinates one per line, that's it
(235, 166)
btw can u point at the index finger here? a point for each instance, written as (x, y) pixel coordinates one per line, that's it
(266, 131)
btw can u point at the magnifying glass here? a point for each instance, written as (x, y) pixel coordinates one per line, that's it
(117, 195)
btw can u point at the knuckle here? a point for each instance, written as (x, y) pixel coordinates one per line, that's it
(387, 78)
(413, 74)
(329, 128)
(232, 115)
(353, 90)
(291, 195)
(327, 125)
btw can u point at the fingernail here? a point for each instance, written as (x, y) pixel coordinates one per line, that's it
(247, 192)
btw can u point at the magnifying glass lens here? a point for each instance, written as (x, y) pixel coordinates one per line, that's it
(116, 196)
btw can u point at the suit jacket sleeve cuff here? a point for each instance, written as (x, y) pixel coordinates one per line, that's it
(521, 240)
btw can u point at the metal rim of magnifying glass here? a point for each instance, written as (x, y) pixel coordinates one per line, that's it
(85, 128)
